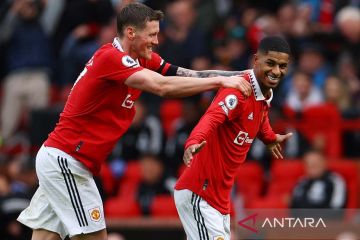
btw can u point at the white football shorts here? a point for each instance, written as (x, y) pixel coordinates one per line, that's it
(200, 220)
(67, 200)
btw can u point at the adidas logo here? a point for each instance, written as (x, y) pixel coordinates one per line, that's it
(251, 116)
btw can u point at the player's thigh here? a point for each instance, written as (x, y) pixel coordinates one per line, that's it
(100, 235)
(71, 191)
(42, 234)
(200, 220)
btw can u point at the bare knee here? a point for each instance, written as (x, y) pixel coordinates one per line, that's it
(99, 235)
(42, 234)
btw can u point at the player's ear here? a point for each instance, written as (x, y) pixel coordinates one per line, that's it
(255, 58)
(130, 32)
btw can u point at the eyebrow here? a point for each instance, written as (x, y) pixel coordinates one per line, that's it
(278, 62)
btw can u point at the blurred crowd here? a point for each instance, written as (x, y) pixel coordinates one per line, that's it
(44, 45)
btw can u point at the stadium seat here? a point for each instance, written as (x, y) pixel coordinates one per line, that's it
(349, 171)
(121, 207)
(170, 110)
(163, 206)
(249, 181)
(107, 179)
(324, 120)
(130, 181)
(284, 176)
(268, 202)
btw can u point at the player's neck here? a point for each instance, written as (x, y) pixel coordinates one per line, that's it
(126, 46)
(265, 91)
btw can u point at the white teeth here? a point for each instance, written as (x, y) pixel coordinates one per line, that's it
(272, 78)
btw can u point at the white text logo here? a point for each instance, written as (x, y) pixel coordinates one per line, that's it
(242, 138)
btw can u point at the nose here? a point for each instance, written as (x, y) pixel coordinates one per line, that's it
(155, 41)
(276, 70)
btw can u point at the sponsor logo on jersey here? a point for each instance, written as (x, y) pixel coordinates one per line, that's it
(127, 103)
(95, 214)
(251, 116)
(129, 62)
(224, 108)
(243, 137)
(231, 101)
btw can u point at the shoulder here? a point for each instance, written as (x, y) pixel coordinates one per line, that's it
(110, 55)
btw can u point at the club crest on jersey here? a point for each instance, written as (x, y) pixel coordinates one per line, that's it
(95, 214)
(128, 61)
(219, 238)
(231, 101)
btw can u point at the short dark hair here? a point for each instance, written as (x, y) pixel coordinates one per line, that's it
(274, 43)
(137, 15)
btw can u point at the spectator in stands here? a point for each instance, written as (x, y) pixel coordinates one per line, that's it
(320, 188)
(11, 204)
(175, 144)
(28, 62)
(183, 41)
(348, 70)
(348, 22)
(303, 92)
(145, 135)
(153, 181)
(337, 93)
(313, 62)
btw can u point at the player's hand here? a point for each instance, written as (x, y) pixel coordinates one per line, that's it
(238, 82)
(275, 148)
(191, 151)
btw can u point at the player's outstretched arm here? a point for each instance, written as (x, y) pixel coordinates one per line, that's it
(191, 151)
(176, 86)
(206, 73)
(275, 147)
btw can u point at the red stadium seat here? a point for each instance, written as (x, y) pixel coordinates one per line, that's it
(163, 206)
(130, 181)
(268, 202)
(284, 176)
(107, 179)
(170, 110)
(349, 171)
(324, 120)
(250, 181)
(121, 207)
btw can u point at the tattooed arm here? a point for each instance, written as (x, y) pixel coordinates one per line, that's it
(206, 73)
(245, 85)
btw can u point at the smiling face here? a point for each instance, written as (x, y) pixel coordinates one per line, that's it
(270, 68)
(143, 40)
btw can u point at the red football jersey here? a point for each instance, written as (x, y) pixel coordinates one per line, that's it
(99, 109)
(229, 126)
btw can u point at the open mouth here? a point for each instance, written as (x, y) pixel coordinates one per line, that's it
(273, 79)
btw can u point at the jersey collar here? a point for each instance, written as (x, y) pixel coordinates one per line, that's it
(257, 90)
(117, 45)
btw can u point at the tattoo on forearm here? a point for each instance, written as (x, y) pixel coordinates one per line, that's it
(206, 73)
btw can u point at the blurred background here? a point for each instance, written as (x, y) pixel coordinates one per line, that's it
(44, 45)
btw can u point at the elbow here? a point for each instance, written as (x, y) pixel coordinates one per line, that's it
(164, 91)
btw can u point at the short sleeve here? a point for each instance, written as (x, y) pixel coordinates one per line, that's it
(116, 66)
(228, 101)
(157, 64)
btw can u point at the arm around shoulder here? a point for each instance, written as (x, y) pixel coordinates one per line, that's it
(176, 86)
